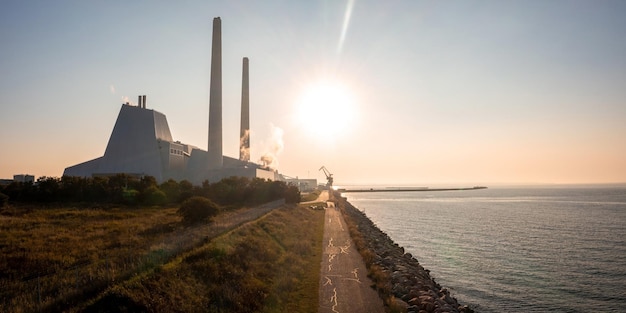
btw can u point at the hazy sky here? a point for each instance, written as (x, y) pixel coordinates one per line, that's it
(412, 92)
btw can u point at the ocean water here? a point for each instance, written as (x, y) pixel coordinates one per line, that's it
(514, 250)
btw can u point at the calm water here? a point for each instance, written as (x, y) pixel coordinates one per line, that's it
(514, 250)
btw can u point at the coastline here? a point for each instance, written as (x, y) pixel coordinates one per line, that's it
(396, 274)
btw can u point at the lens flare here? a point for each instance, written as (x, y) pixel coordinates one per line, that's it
(326, 110)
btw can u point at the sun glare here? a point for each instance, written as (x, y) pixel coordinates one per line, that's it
(326, 110)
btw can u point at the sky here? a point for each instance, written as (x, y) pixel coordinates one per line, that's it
(380, 92)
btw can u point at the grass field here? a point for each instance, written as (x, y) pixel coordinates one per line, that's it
(59, 258)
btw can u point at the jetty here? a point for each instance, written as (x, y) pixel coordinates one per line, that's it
(407, 189)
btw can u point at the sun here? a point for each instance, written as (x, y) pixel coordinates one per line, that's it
(326, 110)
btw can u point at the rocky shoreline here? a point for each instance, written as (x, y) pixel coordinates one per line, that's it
(408, 282)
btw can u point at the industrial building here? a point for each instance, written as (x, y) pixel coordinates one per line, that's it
(141, 142)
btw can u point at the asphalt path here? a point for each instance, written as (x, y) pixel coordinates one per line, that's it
(344, 285)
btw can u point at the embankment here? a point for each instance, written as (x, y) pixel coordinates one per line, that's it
(400, 280)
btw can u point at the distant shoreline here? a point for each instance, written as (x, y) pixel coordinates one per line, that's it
(394, 189)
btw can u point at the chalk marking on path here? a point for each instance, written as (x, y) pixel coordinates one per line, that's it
(344, 248)
(330, 267)
(328, 281)
(330, 242)
(333, 299)
(356, 275)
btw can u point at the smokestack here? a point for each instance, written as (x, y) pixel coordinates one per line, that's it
(244, 138)
(143, 101)
(215, 99)
(139, 102)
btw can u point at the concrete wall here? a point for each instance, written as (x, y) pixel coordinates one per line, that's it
(139, 144)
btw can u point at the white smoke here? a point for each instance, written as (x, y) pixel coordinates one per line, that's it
(125, 99)
(272, 148)
(112, 89)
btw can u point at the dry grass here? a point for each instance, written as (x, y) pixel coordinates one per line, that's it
(270, 265)
(54, 259)
(61, 253)
(311, 196)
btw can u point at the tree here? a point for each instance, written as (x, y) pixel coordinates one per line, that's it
(172, 189)
(292, 194)
(186, 190)
(153, 196)
(48, 189)
(4, 199)
(197, 209)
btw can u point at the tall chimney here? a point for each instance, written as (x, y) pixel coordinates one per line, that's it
(139, 102)
(143, 101)
(215, 99)
(244, 138)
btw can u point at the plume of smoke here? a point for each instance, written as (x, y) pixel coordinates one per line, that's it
(125, 99)
(274, 146)
(112, 89)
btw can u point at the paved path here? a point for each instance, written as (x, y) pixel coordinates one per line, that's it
(344, 285)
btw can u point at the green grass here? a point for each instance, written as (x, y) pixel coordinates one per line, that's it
(311, 196)
(269, 265)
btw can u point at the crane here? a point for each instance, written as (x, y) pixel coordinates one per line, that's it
(329, 176)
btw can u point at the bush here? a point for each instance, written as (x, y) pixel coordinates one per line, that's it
(197, 209)
(4, 199)
(153, 196)
(292, 195)
(130, 196)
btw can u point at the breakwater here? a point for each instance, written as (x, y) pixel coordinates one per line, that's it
(405, 279)
(397, 189)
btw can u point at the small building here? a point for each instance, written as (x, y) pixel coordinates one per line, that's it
(304, 185)
(24, 178)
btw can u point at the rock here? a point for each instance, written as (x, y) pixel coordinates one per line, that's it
(412, 308)
(399, 304)
(414, 301)
(409, 282)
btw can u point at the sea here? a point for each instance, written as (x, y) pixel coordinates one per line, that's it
(531, 249)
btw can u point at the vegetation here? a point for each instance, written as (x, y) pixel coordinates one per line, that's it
(66, 240)
(311, 196)
(197, 209)
(57, 256)
(130, 190)
(4, 199)
(271, 265)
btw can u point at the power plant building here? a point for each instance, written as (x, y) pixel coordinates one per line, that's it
(141, 142)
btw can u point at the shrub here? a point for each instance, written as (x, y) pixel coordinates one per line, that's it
(171, 189)
(197, 209)
(154, 196)
(130, 196)
(4, 199)
(292, 195)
